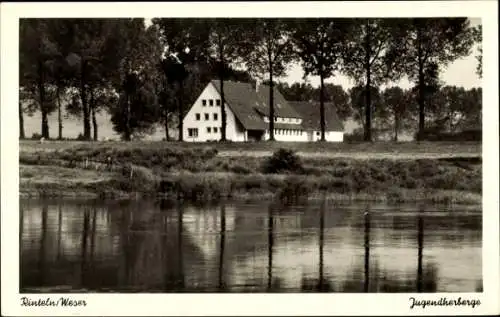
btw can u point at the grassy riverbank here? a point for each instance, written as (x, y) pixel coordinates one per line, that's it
(202, 172)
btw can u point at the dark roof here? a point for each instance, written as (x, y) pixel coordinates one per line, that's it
(249, 105)
(311, 115)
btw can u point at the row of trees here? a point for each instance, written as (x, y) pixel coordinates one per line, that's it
(450, 109)
(141, 74)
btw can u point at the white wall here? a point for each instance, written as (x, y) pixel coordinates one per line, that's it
(233, 132)
(330, 136)
(301, 137)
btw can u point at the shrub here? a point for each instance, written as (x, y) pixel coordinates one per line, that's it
(281, 161)
(36, 136)
(240, 169)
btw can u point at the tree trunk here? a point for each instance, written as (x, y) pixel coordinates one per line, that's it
(21, 122)
(421, 91)
(181, 110)
(94, 121)
(270, 239)
(59, 116)
(85, 109)
(271, 103)
(222, 99)
(322, 106)
(368, 102)
(43, 109)
(222, 246)
(167, 134)
(127, 133)
(321, 277)
(367, 251)
(396, 127)
(165, 109)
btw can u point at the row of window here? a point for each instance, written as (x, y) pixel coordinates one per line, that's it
(214, 129)
(287, 132)
(210, 102)
(193, 133)
(207, 117)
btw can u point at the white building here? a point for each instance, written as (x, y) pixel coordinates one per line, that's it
(247, 116)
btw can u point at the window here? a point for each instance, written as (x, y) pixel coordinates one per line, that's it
(217, 102)
(215, 130)
(209, 129)
(197, 117)
(215, 117)
(211, 102)
(193, 133)
(204, 102)
(206, 116)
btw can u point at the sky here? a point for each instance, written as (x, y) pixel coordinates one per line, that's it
(461, 72)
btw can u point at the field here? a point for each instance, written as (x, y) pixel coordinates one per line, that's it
(437, 172)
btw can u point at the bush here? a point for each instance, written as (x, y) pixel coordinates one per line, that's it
(36, 136)
(281, 161)
(466, 135)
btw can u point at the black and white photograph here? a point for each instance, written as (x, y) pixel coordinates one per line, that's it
(176, 152)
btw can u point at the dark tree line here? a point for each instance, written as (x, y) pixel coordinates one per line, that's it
(394, 109)
(144, 76)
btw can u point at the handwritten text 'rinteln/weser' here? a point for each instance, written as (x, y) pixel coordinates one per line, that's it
(59, 302)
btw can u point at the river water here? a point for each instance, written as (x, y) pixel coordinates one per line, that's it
(159, 246)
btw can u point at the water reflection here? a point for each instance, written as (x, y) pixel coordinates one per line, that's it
(266, 247)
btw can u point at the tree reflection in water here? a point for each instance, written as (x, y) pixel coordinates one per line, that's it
(133, 246)
(270, 234)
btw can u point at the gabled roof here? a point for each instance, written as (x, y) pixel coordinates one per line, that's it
(249, 105)
(310, 113)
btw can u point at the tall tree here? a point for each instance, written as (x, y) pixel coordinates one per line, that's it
(357, 96)
(367, 61)
(176, 73)
(36, 50)
(320, 44)
(270, 52)
(92, 51)
(478, 38)
(456, 109)
(398, 102)
(186, 43)
(429, 45)
(136, 111)
(166, 99)
(28, 104)
(137, 68)
(60, 79)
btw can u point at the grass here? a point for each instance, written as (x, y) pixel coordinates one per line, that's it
(422, 149)
(200, 173)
